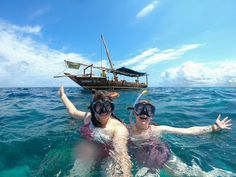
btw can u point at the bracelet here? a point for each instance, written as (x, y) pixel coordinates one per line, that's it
(217, 125)
(213, 128)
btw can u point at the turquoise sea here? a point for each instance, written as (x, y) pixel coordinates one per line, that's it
(37, 136)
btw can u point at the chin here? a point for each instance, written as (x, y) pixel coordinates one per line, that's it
(104, 116)
(144, 122)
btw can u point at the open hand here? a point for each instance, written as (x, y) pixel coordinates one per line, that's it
(223, 124)
(61, 91)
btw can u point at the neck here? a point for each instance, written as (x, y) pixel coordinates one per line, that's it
(141, 128)
(104, 121)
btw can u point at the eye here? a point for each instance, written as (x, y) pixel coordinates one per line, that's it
(139, 108)
(108, 106)
(98, 106)
(149, 108)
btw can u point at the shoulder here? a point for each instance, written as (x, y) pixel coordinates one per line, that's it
(119, 127)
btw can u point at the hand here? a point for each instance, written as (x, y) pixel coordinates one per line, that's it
(223, 124)
(61, 91)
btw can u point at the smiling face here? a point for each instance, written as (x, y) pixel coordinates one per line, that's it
(101, 108)
(144, 112)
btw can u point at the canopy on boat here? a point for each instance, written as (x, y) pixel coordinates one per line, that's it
(129, 72)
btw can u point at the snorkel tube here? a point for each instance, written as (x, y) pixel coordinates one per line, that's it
(131, 122)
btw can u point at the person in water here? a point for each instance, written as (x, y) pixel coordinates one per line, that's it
(106, 136)
(145, 142)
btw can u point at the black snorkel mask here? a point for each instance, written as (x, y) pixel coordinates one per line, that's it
(144, 109)
(102, 107)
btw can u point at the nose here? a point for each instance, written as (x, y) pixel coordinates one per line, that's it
(104, 109)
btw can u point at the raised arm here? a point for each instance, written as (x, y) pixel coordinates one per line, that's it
(121, 160)
(71, 109)
(196, 130)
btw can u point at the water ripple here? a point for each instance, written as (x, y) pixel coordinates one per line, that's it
(35, 125)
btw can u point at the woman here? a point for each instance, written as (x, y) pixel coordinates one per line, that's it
(104, 133)
(143, 132)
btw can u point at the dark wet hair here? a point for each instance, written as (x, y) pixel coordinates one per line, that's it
(102, 96)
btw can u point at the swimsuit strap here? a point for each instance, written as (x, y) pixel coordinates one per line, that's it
(86, 131)
(90, 125)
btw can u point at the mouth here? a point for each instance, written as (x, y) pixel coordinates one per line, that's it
(102, 116)
(143, 117)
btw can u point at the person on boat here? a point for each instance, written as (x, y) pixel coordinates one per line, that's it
(104, 74)
(106, 136)
(145, 142)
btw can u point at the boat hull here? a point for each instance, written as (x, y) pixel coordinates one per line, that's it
(104, 84)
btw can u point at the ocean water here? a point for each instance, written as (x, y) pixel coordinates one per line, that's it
(37, 136)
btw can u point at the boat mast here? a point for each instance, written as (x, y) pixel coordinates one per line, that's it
(109, 58)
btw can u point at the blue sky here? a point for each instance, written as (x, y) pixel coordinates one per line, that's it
(178, 43)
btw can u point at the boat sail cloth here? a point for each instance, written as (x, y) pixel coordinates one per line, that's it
(72, 65)
(128, 72)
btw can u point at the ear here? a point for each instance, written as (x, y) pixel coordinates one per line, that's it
(114, 95)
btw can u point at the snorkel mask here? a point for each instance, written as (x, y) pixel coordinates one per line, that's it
(102, 107)
(143, 108)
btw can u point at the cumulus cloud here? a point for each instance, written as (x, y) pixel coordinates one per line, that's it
(147, 9)
(154, 55)
(26, 62)
(140, 57)
(199, 74)
(10, 28)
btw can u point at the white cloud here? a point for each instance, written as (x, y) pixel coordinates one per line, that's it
(199, 74)
(26, 62)
(140, 57)
(147, 9)
(153, 56)
(41, 11)
(10, 28)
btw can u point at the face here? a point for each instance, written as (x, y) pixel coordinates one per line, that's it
(102, 109)
(144, 112)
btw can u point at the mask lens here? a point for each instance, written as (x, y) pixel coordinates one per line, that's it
(97, 107)
(144, 109)
(138, 108)
(108, 106)
(150, 110)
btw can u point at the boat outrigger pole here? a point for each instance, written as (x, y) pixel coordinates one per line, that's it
(109, 58)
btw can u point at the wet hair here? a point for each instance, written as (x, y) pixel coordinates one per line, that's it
(144, 101)
(102, 96)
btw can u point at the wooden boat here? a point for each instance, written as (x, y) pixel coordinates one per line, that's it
(88, 80)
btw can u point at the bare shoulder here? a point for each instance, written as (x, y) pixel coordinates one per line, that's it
(119, 127)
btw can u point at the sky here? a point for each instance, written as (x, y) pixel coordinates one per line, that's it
(178, 43)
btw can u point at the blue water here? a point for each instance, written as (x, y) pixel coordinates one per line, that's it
(37, 136)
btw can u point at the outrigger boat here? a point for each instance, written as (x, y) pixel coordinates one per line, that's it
(88, 80)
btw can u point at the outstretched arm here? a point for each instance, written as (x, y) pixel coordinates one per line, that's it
(121, 160)
(71, 108)
(196, 130)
